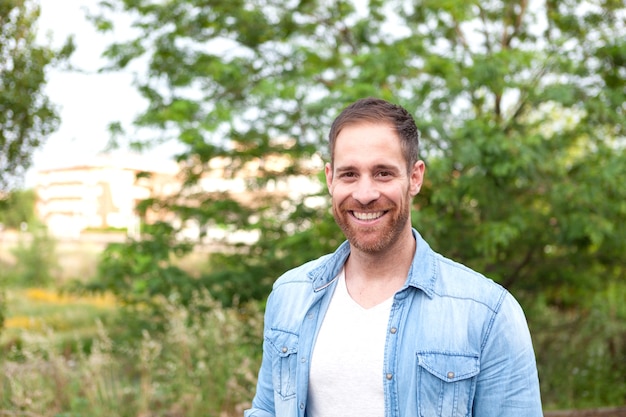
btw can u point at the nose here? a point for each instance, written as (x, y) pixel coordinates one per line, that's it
(365, 191)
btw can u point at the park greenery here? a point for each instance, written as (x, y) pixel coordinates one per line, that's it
(522, 110)
(27, 116)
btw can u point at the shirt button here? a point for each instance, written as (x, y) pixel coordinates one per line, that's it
(389, 376)
(393, 330)
(450, 375)
(284, 349)
(301, 406)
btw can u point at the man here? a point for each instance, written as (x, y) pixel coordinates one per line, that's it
(385, 326)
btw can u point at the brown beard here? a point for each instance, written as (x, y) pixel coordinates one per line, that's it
(388, 233)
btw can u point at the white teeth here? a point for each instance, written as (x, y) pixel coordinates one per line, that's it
(367, 216)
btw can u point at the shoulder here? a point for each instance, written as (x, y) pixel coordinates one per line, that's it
(485, 309)
(295, 288)
(446, 280)
(459, 281)
(300, 274)
(292, 296)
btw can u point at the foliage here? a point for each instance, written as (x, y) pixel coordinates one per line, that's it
(191, 370)
(581, 354)
(249, 272)
(521, 112)
(16, 208)
(36, 262)
(138, 270)
(2, 309)
(147, 268)
(208, 366)
(26, 114)
(521, 108)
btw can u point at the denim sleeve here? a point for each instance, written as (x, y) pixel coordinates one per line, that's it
(263, 401)
(508, 383)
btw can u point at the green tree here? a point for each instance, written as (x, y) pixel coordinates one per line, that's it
(16, 208)
(26, 115)
(521, 107)
(521, 110)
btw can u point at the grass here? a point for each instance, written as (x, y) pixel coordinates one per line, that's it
(43, 310)
(64, 355)
(204, 362)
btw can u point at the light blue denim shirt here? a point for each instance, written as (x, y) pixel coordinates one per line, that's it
(457, 343)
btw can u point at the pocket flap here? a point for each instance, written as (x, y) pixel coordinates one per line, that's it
(449, 367)
(285, 343)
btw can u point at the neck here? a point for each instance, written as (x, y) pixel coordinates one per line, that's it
(373, 277)
(390, 262)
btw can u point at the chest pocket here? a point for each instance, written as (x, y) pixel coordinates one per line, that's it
(446, 383)
(284, 353)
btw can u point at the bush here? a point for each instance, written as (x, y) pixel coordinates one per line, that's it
(205, 366)
(35, 261)
(581, 352)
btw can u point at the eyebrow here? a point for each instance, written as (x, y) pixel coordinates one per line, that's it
(376, 167)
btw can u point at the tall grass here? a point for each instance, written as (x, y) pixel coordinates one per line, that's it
(203, 364)
(68, 356)
(63, 355)
(69, 318)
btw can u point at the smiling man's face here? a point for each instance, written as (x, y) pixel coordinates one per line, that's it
(371, 187)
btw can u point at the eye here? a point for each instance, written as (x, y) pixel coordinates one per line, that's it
(384, 174)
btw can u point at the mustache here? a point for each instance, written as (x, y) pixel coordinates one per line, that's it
(357, 206)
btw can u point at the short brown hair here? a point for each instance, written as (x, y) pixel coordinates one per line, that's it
(376, 110)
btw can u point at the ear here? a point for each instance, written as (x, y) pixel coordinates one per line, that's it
(416, 178)
(329, 176)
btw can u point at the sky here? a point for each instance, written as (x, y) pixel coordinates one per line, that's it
(87, 101)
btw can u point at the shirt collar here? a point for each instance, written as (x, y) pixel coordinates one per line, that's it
(422, 273)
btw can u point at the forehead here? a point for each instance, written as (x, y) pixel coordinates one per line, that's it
(365, 141)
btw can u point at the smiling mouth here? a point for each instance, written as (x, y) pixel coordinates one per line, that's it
(367, 215)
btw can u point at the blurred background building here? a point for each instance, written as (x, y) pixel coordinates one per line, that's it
(100, 194)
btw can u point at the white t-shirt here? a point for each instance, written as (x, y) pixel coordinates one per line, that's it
(346, 376)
